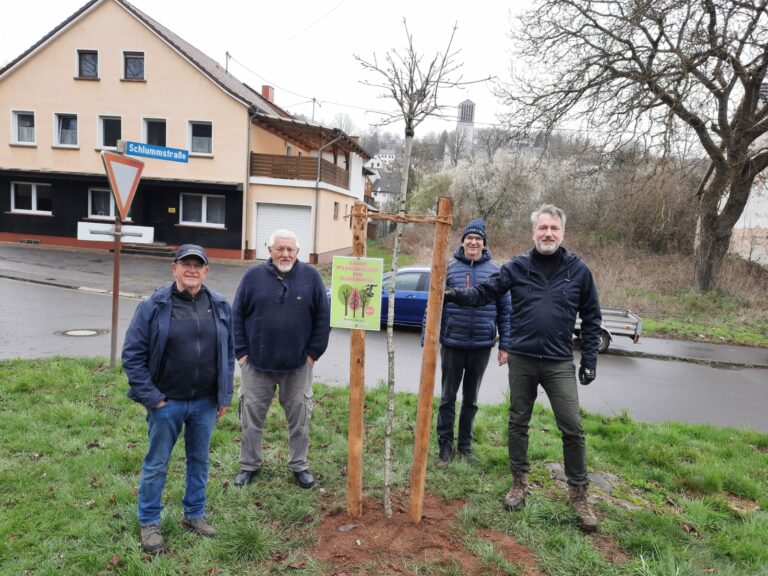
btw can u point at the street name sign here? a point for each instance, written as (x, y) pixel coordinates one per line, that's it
(157, 152)
(124, 175)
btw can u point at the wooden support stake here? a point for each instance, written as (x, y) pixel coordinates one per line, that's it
(429, 358)
(356, 383)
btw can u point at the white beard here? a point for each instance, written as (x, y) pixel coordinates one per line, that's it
(284, 268)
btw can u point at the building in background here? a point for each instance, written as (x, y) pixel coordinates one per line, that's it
(111, 73)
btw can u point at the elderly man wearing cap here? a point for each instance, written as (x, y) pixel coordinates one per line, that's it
(179, 356)
(467, 336)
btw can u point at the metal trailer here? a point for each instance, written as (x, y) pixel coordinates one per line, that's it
(616, 322)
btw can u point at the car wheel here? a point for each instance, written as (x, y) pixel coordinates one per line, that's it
(603, 341)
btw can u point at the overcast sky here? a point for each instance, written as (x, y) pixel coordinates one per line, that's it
(305, 49)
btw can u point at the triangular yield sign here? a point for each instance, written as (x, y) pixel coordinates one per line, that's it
(123, 174)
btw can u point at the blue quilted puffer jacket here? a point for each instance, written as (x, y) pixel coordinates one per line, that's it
(470, 327)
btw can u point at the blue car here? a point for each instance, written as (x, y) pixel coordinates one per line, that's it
(411, 292)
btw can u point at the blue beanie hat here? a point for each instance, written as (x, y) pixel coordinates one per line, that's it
(475, 227)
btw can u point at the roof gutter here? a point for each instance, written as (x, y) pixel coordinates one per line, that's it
(317, 194)
(246, 190)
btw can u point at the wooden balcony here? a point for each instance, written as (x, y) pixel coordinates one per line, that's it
(298, 168)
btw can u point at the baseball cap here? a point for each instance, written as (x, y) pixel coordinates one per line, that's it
(186, 250)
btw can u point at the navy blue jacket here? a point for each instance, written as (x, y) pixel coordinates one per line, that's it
(544, 311)
(280, 319)
(470, 327)
(147, 337)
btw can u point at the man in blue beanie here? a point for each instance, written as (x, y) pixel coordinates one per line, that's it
(467, 335)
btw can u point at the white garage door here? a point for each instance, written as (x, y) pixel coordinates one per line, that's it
(271, 217)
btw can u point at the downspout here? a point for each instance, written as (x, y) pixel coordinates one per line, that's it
(317, 195)
(246, 189)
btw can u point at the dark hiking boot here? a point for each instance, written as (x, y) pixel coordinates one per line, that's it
(151, 539)
(466, 454)
(199, 526)
(515, 498)
(578, 498)
(445, 455)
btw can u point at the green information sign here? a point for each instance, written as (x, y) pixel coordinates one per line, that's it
(356, 292)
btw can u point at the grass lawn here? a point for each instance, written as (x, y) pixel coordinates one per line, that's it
(684, 500)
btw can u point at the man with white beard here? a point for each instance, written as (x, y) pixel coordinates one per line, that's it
(282, 324)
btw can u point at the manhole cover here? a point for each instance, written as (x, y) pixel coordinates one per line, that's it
(82, 332)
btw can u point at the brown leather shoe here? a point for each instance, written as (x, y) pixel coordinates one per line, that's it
(515, 498)
(578, 498)
(152, 539)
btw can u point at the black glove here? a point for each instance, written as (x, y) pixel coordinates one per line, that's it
(586, 375)
(450, 294)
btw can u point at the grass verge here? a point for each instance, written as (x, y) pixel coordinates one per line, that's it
(684, 500)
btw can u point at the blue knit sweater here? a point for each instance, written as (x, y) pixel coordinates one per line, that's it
(280, 319)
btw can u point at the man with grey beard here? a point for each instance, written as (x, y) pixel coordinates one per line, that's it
(282, 325)
(549, 287)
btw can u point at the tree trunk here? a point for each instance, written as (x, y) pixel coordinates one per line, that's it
(710, 253)
(390, 330)
(716, 221)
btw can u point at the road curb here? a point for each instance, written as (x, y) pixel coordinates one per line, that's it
(55, 284)
(669, 357)
(109, 292)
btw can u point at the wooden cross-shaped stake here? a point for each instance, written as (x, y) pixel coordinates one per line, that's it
(442, 223)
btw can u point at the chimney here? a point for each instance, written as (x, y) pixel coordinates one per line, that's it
(268, 92)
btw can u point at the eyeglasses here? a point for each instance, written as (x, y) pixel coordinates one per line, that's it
(284, 250)
(473, 238)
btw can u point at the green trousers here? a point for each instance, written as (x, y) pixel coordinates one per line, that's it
(558, 379)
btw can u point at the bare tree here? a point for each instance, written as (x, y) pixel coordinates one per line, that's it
(343, 122)
(457, 147)
(413, 86)
(490, 140)
(656, 71)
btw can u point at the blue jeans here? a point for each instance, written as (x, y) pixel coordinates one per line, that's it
(198, 417)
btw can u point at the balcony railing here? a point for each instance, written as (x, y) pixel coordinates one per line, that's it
(297, 168)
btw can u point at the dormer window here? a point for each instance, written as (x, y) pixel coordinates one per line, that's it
(88, 64)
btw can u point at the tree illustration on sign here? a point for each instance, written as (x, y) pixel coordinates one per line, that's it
(366, 295)
(344, 292)
(355, 302)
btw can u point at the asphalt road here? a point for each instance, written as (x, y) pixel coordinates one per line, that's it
(33, 318)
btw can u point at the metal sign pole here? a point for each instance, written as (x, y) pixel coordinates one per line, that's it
(115, 291)
(123, 175)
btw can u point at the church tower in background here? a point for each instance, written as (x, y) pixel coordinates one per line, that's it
(466, 122)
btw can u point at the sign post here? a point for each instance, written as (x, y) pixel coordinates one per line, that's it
(123, 175)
